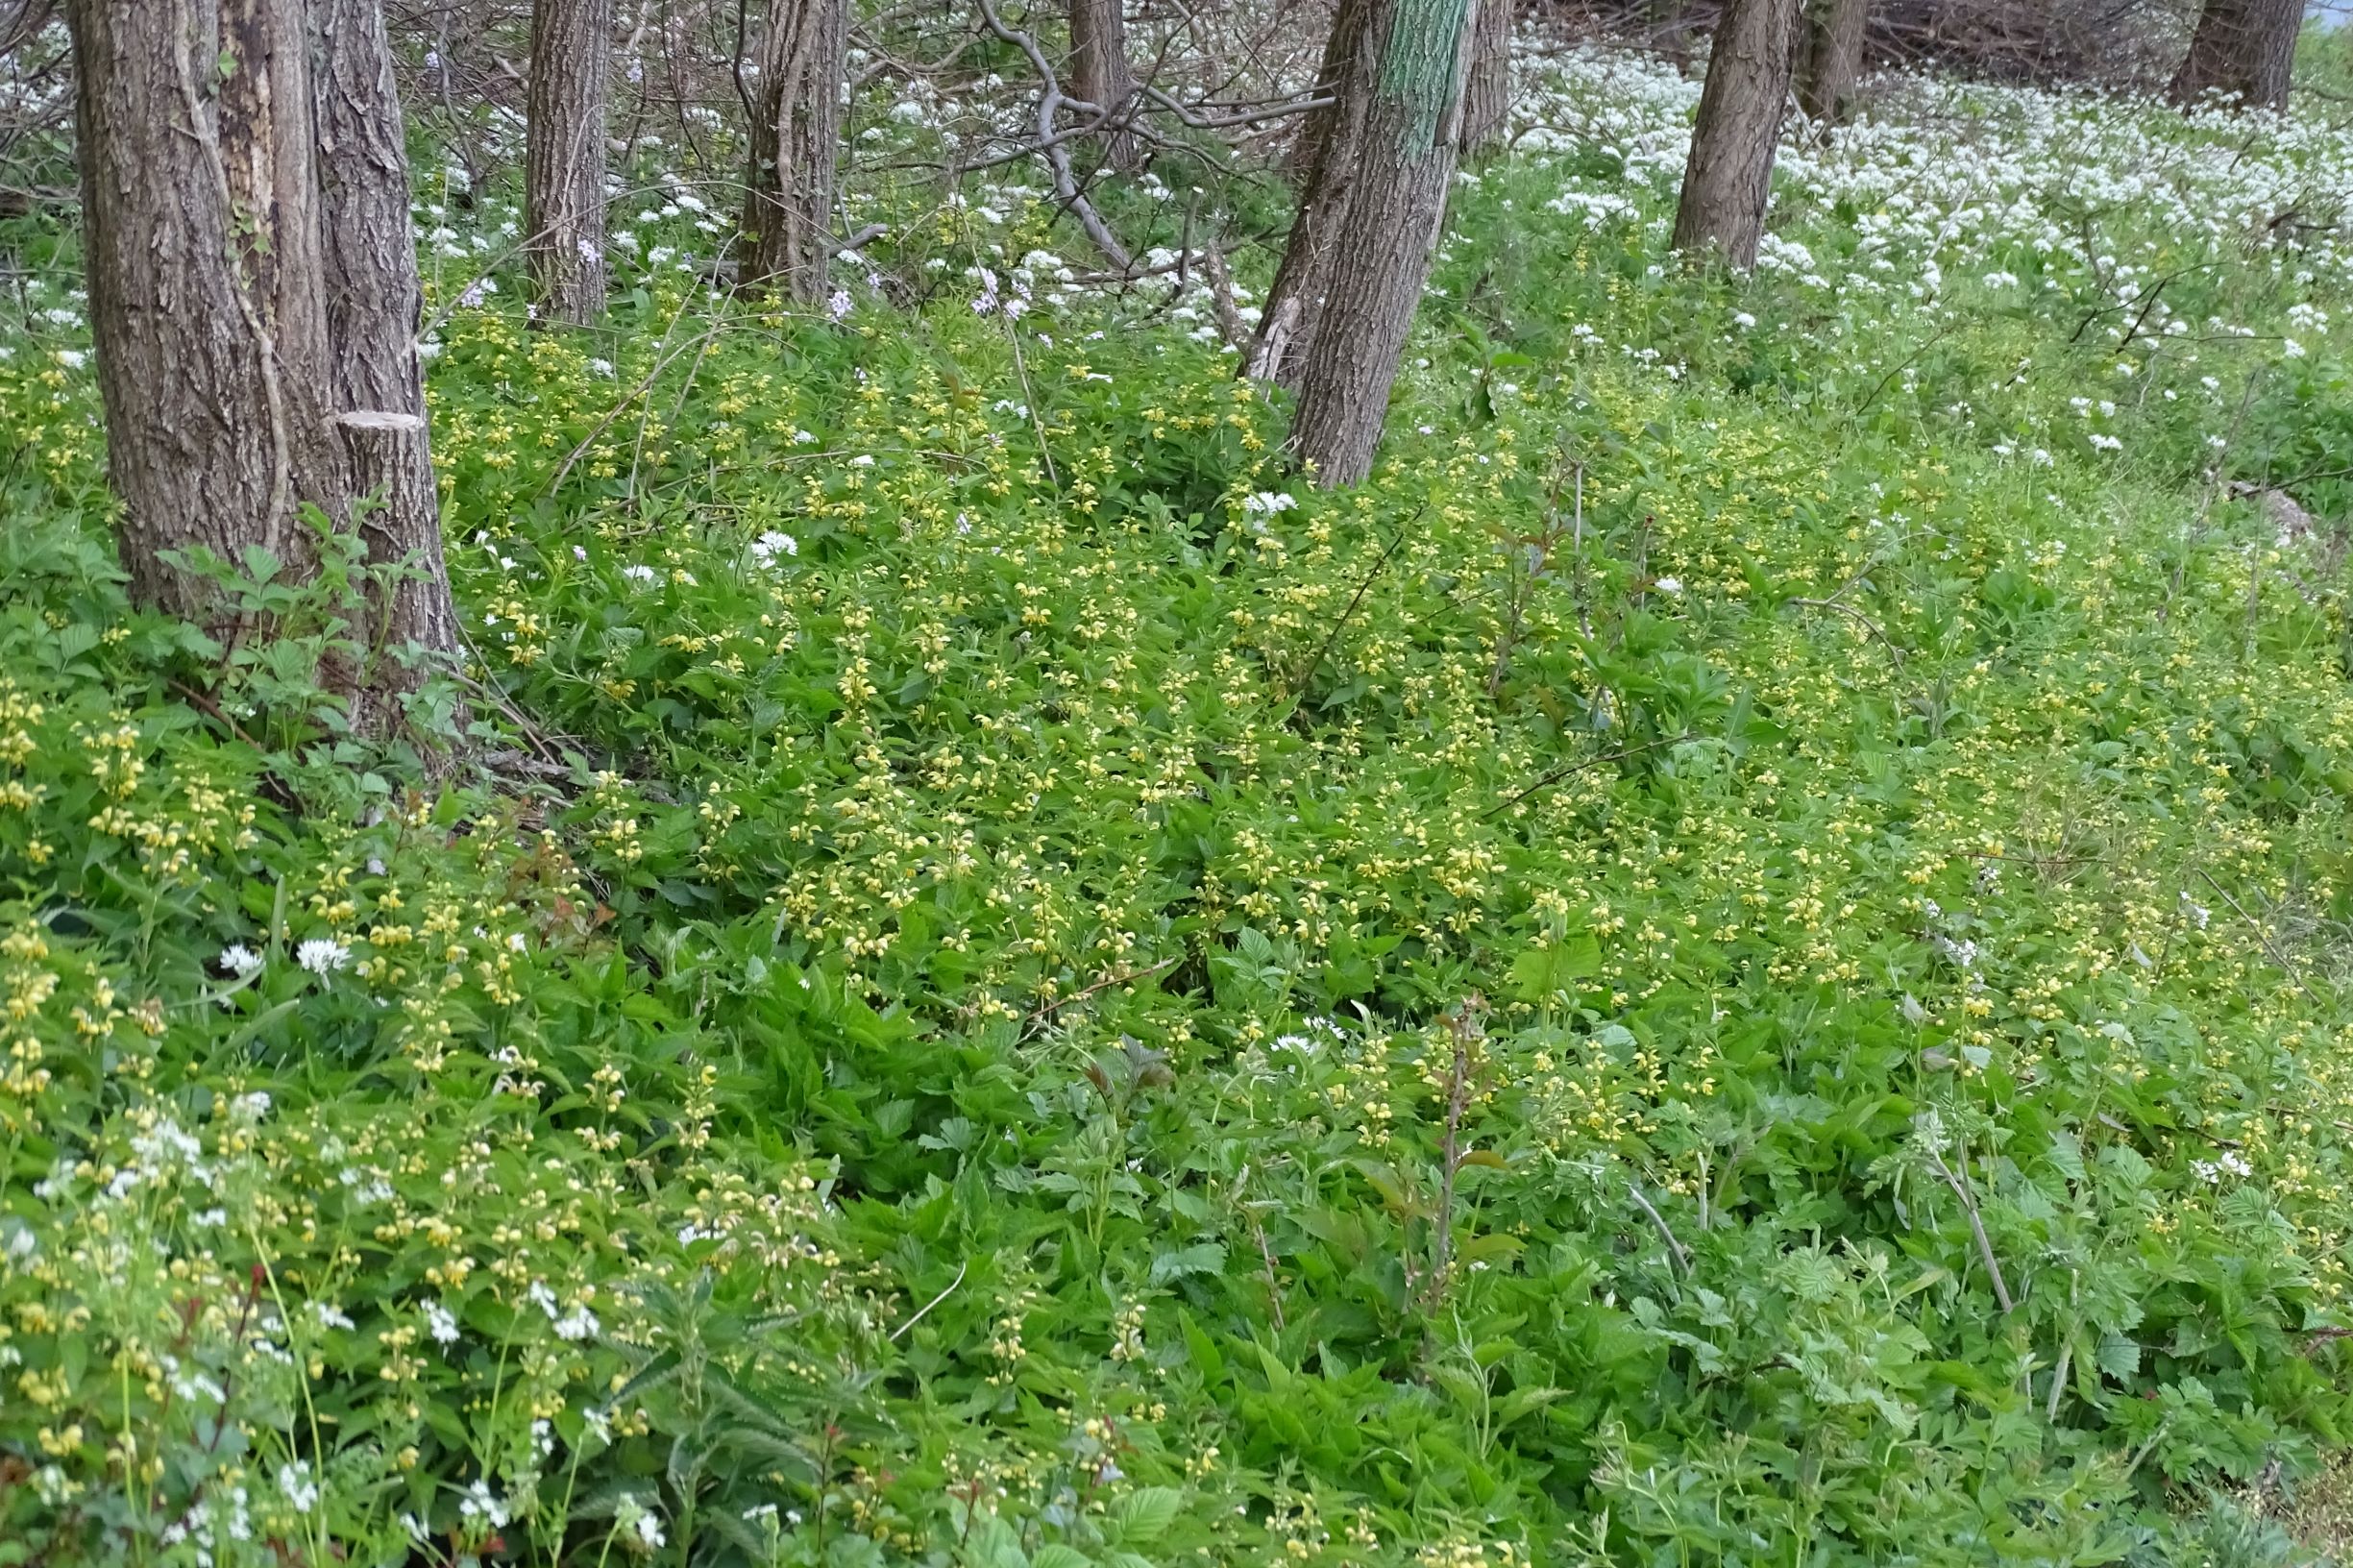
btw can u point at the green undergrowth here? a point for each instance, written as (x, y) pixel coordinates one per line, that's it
(1709, 970)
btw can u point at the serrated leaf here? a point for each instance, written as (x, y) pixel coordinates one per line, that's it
(1201, 1257)
(1143, 1516)
(2119, 1356)
(1055, 1554)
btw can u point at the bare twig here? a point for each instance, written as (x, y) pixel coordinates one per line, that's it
(935, 1301)
(1464, 1028)
(1051, 101)
(1675, 1248)
(1962, 1191)
(1562, 772)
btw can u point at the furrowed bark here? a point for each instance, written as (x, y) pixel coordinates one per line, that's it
(2242, 46)
(374, 305)
(1487, 91)
(563, 173)
(1099, 70)
(200, 241)
(795, 148)
(1330, 151)
(1730, 174)
(1833, 57)
(1380, 198)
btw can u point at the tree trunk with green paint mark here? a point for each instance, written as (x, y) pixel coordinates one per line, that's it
(1730, 174)
(1359, 257)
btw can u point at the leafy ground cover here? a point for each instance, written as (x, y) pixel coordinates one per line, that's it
(1740, 959)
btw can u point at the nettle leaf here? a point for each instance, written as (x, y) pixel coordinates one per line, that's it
(1201, 1257)
(1143, 1516)
(1541, 971)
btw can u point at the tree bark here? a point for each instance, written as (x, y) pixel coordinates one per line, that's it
(1369, 224)
(200, 250)
(796, 147)
(1486, 91)
(1099, 70)
(374, 308)
(2242, 46)
(563, 169)
(1730, 174)
(1833, 57)
(1330, 152)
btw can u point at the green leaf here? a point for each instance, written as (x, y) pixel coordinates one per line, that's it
(1540, 971)
(1143, 1516)
(2119, 1356)
(1201, 1257)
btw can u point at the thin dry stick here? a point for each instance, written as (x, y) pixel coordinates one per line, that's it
(1463, 1027)
(1976, 1225)
(1274, 1287)
(1870, 626)
(1363, 588)
(1103, 985)
(1559, 773)
(934, 1301)
(2262, 935)
(1675, 1248)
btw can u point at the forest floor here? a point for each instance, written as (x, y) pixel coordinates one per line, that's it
(1742, 958)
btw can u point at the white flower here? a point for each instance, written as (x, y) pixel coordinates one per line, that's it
(71, 359)
(294, 1480)
(578, 1324)
(1672, 587)
(330, 1315)
(769, 545)
(322, 955)
(441, 1323)
(637, 572)
(479, 1502)
(1267, 503)
(240, 960)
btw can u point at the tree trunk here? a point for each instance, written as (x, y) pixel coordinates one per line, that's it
(796, 145)
(1330, 152)
(1486, 91)
(374, 308)
(1371, 223)
(1099, 72)
(1833, 57)
(2242, 46)
(200, 214)
(563, 166)
(1730, 174)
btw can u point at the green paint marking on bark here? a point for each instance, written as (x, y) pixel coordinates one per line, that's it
(1418, 68)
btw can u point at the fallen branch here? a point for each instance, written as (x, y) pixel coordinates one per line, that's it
(1051, 100)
